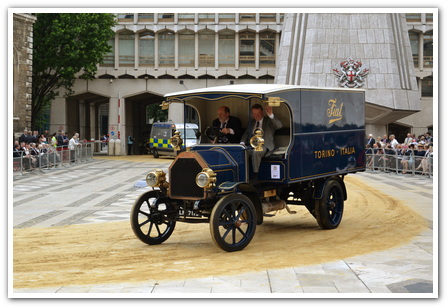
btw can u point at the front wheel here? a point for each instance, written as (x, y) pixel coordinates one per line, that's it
(149, 218)
(233, 222)
(329, 209)
(155, 153)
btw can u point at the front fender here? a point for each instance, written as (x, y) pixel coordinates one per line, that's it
(252, 194)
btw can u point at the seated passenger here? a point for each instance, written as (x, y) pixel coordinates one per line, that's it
(230, 127)
(268, 124)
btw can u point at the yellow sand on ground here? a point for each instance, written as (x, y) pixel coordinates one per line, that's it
(110, 253)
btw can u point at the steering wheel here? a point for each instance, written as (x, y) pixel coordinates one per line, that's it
(212, 133)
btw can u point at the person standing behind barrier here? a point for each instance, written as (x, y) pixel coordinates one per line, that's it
(408, 140)
(130, 141)
(60, 140)
(42, 139)
(408, 158)
(72, 144)
(54, 140)
(393, 142)
(22, 138)
(370, 141)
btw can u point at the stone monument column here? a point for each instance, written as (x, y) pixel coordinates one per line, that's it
(370, 51)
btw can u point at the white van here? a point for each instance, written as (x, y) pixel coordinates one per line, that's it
(161, 133)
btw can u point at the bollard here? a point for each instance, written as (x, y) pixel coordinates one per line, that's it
(118, 147)
(111, 147)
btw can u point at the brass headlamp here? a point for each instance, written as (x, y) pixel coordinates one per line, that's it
(257, 141)
(176, 141)
(206, 178)
(156, 178)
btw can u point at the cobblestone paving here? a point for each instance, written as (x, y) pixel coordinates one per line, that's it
(104, 190)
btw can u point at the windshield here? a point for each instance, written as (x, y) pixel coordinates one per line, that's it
(190, 133)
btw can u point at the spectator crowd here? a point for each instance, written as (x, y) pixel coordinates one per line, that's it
(40, 149)
(413, 155)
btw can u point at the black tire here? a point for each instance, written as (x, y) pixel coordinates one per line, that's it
(329, 209)
(233, 222)
(148, 218)
(155, 153)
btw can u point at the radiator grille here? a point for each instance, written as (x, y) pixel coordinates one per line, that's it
(182, 179)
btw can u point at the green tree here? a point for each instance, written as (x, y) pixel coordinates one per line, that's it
(66, 46)
(154, 111)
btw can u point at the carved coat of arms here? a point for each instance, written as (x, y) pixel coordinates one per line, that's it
(350, 73)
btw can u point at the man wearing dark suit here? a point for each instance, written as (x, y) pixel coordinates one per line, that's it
(268, 124)
(371, 141)
(230, 127)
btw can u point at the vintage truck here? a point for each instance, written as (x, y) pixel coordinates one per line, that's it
(320, 142)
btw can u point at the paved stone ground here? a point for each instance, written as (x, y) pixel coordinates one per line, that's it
(405, 271)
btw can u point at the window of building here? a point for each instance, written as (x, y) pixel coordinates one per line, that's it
(186, 48)
(429, 18)
(243, 17)
(267, 17)
(414, 43)
(413, 17)
(126, 48)
(206, 17)
(109, 58)
(267, 48)
(146, 48)
(427, 87)
(126, 17)
(227, 17)
(188, 17)
(206, 48)
(226, 48)
(246, 48)
(145, 17)
(428, 49)
(166, 48)
(166, 17)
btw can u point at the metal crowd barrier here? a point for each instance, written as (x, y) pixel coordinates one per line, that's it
(400, 164)
(53, 158)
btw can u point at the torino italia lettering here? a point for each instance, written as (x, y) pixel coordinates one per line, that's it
(327, 153)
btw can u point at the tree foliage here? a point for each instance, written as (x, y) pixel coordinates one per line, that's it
(66, 45)
(154, 111)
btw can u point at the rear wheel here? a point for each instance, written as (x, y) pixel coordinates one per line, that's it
(233, 222)
(149, 218)
(329, 209)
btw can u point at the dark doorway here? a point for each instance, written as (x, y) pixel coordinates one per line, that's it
(399, 131)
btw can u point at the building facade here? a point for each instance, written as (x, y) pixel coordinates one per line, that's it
(22, 57)
(158, 53)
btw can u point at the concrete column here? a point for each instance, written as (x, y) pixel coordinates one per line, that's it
(257, 48)
(421, 52)
(117, 51)
(113, 118)
(175, 112)
(137, 52)
(82, 119)
(58, 114)
(176, 51)
(236, 50)
(216, 50)
(156, 54)
(94, 133)
(196, 50)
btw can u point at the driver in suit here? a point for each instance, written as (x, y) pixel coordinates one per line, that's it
(230, 128)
